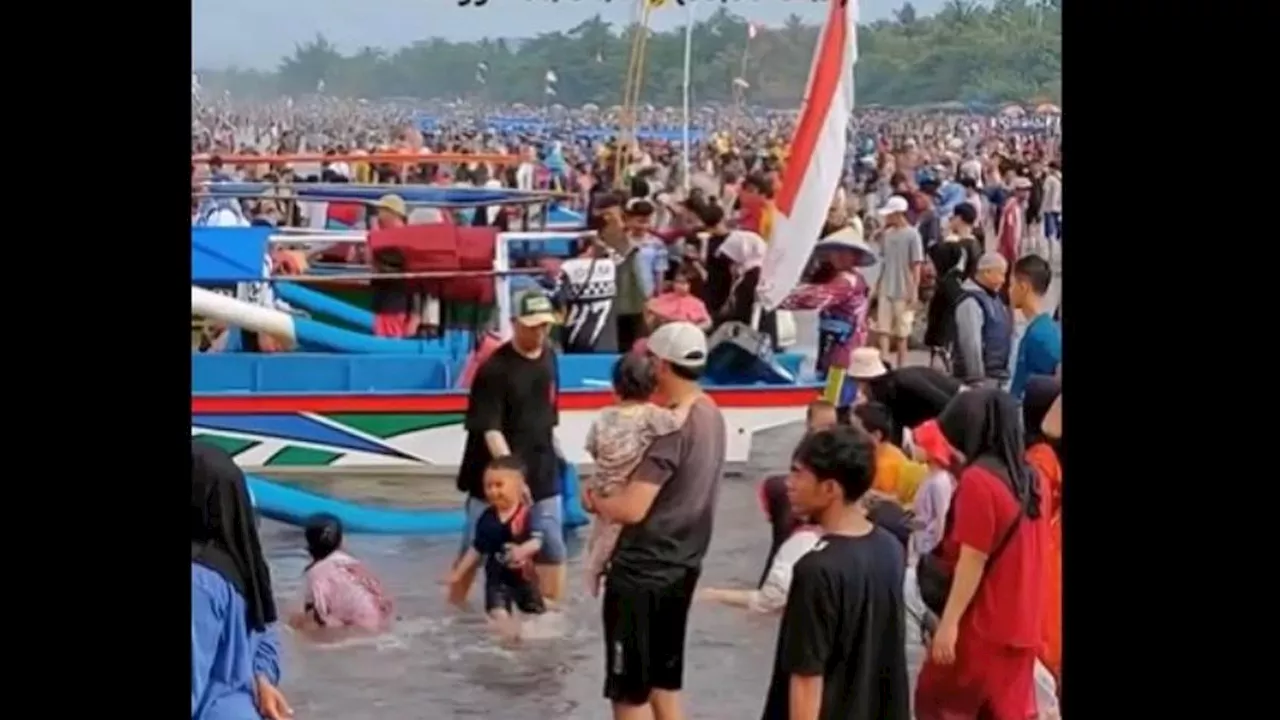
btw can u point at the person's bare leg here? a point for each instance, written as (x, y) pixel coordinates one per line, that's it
(666, 704)
(902, 351)
(551, 581)
(623, 711)
(464, 586)
(505, 626)
(882, 341)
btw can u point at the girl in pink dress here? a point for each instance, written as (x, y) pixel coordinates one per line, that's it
(680, 303)
(341, 594)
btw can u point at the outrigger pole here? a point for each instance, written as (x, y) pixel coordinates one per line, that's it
(370, 276)
(381, 158)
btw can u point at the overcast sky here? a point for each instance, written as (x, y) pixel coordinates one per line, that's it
(258, 33)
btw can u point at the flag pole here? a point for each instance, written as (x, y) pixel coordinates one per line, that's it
(738, 91)
(688, 70)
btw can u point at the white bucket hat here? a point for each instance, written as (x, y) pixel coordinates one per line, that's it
(865, 364)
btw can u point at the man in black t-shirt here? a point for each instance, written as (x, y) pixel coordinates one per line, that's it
(511, 410)
(842, 643)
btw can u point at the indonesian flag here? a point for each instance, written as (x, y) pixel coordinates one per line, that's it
(751, 31)
(816, 160)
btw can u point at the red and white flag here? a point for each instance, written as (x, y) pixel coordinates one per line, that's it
(816, 160)
(751, 31)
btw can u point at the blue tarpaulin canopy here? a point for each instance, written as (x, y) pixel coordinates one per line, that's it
(223, 254)
(533, 126)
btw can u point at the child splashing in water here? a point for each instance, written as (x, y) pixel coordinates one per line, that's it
(616, 441)
(342, 597)
(506, 544)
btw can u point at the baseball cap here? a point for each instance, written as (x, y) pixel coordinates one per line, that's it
(679, 343)
(534, 309)
(895, 204)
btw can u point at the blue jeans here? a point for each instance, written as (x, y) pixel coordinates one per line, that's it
(1053, 225)
(546, 516)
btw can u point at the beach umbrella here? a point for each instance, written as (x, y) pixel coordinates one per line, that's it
(1048, 109)
(590, 107)
(1012, 111)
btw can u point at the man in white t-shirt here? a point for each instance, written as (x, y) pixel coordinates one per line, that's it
(898, 286)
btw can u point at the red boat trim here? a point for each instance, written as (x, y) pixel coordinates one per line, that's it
(763, 397)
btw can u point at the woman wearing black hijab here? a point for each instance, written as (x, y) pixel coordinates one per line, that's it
(983, 654)
(949, 259)
(235, 665)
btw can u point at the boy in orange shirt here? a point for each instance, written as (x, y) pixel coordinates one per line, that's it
(897, 476)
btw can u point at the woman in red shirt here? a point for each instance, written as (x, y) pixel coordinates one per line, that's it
(1042, 455)
(983, 654)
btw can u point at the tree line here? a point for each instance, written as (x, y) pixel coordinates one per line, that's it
(1010, 51)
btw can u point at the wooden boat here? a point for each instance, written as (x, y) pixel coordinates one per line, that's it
(351, 401)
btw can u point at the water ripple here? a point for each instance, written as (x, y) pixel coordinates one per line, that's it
(442, 663)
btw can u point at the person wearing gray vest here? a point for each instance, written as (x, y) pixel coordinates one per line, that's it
(984, 326)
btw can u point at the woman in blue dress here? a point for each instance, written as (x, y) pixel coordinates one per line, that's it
(235, 653)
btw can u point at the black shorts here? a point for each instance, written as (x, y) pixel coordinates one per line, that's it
(644, 630)
(524, 596)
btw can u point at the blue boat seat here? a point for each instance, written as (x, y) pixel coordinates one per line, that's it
(319, 373)
(401, 373)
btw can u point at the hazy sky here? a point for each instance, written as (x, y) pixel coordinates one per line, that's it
(257, 33)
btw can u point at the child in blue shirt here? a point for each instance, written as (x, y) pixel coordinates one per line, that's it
(506, 543)
(1040, 351)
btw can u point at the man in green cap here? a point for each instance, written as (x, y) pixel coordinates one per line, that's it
(511, 410)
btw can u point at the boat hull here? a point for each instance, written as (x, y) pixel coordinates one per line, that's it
(423, 432)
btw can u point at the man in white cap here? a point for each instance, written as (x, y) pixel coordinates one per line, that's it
(667, 510)
(898, 287)
(984, 326)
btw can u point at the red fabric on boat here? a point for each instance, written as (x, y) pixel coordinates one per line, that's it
(488, 344)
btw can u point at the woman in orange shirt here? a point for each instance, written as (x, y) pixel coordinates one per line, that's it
(1042, 455)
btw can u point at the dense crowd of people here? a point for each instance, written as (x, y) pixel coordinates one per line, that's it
(922, 507)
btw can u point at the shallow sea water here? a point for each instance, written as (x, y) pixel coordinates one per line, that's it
(442, 663)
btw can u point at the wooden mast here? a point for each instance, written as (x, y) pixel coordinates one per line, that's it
(632, 85)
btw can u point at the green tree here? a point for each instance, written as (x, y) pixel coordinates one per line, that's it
(1010, 51)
